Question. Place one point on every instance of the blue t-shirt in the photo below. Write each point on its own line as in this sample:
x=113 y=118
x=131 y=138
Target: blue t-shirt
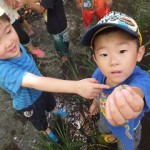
x=12 y=73
x=140 y=79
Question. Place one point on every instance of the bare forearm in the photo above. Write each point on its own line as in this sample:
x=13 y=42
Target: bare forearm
x=87 y=88
x=55 y=85
x=37 y=7
x=50 y=84
x=34 y=6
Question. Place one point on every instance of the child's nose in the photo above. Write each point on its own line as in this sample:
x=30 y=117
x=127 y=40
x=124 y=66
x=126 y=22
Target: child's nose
x=8 y=43
x=113 y=61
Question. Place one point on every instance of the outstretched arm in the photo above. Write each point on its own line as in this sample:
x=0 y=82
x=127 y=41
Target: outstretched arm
x=123 y=104
x=11 y=3
x=87 y=88
x=14 y=4
x=38 y=8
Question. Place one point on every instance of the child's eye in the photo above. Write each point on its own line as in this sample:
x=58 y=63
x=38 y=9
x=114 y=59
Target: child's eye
x=103 y=55
x=123 y=51
x=8 y=31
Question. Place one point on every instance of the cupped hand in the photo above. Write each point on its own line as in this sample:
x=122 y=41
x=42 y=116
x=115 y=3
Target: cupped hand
x=123 y=104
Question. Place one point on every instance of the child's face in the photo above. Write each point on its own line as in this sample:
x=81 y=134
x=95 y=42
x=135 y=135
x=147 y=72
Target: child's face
x=9 y=41
x=116 y=55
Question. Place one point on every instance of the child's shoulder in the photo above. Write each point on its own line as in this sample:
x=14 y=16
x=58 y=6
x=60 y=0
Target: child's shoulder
x=138 y=71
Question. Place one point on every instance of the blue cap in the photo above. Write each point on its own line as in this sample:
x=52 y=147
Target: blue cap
x=112 y=19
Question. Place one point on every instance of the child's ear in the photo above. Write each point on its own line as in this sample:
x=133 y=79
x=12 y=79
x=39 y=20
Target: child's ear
x=141 y=52
x=94 y=59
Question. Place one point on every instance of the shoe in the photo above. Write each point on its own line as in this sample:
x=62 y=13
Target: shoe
x=61 y=113
x=38 y=53
x=53 y=137
x=106 y=138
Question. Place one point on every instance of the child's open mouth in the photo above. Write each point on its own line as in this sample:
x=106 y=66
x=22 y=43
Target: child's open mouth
x=116 y=73
x=13 y=50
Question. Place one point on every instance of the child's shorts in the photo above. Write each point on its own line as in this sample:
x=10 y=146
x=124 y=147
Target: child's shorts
x=120 y=146
x=61 y=42
x=36 y=113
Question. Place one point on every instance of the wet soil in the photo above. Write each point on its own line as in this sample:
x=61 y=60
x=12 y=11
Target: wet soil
x=15 y=134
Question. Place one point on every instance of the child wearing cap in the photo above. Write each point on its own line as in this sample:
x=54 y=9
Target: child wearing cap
x=29 y=89
x=93 y=7
x=117 y=46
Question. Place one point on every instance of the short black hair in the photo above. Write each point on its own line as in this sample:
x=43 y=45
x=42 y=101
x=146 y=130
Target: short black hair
x=5 y=17
x=115 y=29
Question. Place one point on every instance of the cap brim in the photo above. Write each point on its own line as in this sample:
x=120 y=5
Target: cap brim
x=87 y=37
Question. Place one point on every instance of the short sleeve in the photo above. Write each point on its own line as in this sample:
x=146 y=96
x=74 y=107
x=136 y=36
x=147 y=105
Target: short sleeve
x=11 y=78
x=98 y=75
x=143 y=82
x=48 y=4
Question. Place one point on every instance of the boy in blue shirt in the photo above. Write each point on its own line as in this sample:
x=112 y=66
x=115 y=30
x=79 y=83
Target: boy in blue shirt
x=30 y=90
x=117 y=46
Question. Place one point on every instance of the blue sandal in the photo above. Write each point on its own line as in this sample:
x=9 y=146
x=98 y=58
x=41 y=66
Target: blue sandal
x=61 y=113
x=53 y=137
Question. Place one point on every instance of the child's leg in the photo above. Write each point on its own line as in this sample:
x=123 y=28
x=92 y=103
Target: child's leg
x=137 y=136
x=51 y=135
x=102 y=9
x=94 y=108
x=61 y=43
x=87 y=16
x=51 y=106
x=106 y=133
x=35 y=113
x=26 y=41
x=27 y=27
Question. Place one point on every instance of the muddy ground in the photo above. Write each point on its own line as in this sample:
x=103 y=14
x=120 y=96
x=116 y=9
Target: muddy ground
x=15 y=134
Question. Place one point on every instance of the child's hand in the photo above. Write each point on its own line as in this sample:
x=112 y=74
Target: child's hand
x=123 y=104
x=11 y=3
x=89 y=88
x=109 y=3
x=19 y=5
x=14 y=4
x=25 y=1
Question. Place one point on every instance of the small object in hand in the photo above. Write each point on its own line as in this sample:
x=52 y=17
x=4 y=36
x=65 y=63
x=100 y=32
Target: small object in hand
x=123 y=87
